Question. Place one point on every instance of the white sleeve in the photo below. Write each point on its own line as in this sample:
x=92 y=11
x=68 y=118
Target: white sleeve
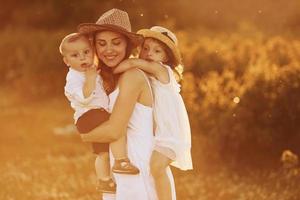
x=74 y=91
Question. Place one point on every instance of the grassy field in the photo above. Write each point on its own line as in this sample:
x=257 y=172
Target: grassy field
x=43 y=158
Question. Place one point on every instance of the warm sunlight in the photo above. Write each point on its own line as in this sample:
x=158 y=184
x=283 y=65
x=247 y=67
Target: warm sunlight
x=239 y=81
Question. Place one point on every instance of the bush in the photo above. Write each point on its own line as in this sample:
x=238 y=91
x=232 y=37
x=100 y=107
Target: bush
x=31 y=63
x=245 y=96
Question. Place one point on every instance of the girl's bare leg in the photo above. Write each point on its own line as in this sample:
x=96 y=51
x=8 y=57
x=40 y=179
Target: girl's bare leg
x=158 y=165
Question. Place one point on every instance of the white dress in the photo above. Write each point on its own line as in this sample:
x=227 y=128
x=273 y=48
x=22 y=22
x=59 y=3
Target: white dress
x=140 y=142
x=172 y=133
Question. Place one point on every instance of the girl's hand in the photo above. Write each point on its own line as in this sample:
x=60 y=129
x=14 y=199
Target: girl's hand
x=124 y=66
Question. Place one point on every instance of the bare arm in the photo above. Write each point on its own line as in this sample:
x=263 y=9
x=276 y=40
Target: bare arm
x=90 y=81
x=88 y=87
x=74 y=91
x=131 y=84
x=151 y=67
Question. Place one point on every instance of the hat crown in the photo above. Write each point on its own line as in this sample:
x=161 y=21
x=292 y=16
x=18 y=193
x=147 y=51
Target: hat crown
x=166 y=32
x=115 y=17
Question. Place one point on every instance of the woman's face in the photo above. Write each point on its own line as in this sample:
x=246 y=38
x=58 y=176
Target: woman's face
x=111 y=47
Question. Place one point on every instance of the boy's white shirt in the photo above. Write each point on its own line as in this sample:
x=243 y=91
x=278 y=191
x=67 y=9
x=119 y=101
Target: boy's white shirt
x=74 y=92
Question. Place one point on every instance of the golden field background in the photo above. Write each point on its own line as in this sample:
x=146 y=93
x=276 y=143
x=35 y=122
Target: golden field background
x=241 y=87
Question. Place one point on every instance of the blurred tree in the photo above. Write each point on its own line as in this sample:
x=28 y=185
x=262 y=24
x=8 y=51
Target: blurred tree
x=214 y=14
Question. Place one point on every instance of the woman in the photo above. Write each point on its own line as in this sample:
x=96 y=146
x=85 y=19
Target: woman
x=130 y=103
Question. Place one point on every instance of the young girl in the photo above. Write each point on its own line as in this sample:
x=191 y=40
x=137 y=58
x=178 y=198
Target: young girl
x=159 y=56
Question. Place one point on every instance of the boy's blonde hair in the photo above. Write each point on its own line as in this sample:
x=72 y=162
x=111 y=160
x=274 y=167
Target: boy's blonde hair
x=72 y=37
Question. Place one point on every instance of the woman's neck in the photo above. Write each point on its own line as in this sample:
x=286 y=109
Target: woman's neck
x=110 y=80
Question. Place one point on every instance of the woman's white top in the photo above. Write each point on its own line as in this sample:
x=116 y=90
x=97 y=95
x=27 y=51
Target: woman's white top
x=74 y=92
x=172 y=124
x=140 y=142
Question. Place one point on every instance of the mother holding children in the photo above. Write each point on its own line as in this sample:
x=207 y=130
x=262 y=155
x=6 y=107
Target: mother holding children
x=130 y=109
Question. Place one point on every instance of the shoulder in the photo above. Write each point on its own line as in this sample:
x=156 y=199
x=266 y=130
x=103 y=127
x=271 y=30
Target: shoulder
x=74 y=80
x=73 y=75
x=69 y=78
x=163 y=74
x=132 y=81
x=133 y=76
x=166 y=68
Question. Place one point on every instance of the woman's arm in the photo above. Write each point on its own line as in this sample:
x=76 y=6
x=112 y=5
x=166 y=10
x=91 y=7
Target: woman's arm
x=151 y=67
x=131 y=84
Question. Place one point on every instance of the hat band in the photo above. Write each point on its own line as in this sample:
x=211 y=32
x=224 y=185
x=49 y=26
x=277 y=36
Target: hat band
x=166 y=34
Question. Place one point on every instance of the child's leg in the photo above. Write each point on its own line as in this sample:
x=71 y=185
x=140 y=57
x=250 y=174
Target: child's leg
x=158 y=165
x=122 y=164
x=105 y=183
x=119 y=148
x=102 y=166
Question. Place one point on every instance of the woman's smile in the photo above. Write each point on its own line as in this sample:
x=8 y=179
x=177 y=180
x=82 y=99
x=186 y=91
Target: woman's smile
x=111 y=47
x=110 y=57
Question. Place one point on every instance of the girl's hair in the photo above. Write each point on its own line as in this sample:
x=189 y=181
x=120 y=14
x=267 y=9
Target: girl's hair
x=110 y=79
x=171 y=58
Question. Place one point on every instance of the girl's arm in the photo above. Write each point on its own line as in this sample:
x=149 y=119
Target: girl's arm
x=151 y=67
x=131 y=84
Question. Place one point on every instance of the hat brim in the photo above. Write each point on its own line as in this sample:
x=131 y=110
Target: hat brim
x=89 y=28
x=164 y=39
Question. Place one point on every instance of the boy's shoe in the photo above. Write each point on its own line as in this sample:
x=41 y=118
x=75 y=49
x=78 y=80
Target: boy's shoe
x=124 y=166
x=108 y=186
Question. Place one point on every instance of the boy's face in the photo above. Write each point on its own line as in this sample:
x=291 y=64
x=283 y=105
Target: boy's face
x=152 y=50
x=79 y=54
